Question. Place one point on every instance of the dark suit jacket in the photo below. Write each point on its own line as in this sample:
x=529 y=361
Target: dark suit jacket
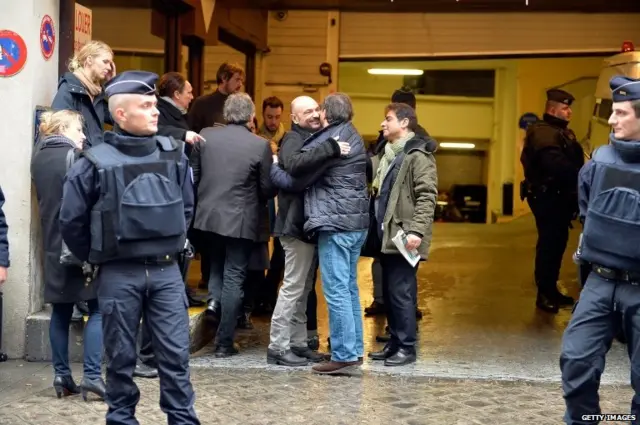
x=231 y=174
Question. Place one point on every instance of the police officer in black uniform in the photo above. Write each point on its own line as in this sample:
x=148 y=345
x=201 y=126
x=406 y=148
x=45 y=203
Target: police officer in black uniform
x=609 y=197
x=551 y=158
x=126 y=207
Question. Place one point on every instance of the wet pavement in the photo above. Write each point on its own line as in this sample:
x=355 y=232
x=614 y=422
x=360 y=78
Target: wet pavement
x=227 y=396
x=480 y=321
x=486 y=356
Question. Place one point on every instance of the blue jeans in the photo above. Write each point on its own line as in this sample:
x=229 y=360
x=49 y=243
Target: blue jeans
x=59 y=337
x=338 y=253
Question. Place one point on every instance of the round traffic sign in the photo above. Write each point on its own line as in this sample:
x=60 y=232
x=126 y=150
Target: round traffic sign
x=13 y=53
x=47 y=37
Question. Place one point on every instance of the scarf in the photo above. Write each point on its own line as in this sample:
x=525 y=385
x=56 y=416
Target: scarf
x=391 y=150
x=274 y=137
x=173 y=103
x=92 y=87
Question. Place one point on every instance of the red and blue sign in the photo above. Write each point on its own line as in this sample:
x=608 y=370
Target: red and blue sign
x=13 y=53
x=47 y=37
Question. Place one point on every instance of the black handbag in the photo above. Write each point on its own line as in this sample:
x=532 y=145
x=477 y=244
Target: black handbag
x=372 y=245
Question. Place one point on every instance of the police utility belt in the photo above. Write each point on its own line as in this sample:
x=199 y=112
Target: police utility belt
x=157 y=259
x=528 y=190
x=632 y=278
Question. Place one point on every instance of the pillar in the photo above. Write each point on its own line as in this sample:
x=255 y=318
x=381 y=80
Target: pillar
x=34 y=85
x=195 y=70
x=66 y=29
x=172 y=44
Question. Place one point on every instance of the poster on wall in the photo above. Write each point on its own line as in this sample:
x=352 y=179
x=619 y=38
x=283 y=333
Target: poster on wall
x=82 y=33
x=13 y=53
x=47 y=37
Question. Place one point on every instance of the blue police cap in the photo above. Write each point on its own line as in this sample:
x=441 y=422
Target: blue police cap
x=623 y=89
x=560 y=96
x=132 y=82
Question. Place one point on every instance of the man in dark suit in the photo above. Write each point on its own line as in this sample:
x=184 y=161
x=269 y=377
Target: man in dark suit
x=231 y=173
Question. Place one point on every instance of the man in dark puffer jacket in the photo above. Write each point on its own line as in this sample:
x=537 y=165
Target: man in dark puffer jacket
x=337 y=213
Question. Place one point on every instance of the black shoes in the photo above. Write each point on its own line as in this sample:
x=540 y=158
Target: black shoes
x=224 y=351
x=386 y=352
x=375 y=309
x=552 y=301
x=65 y=386
x=285 y=358
x=403 y=356
x=312 y=356
x=144 y=371
x=547 y=303
x=213 y=310
x=95 y=386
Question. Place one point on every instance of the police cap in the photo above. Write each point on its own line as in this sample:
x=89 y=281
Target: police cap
x=132 y=82
x=623 y=89
x=404 y=96
x=560 y=96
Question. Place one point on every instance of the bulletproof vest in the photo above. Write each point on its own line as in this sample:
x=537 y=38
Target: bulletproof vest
x=140 y=211
x=612 y=225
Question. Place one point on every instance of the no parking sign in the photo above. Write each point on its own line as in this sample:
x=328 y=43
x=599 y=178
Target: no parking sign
x=47 y=37
x=13 y=53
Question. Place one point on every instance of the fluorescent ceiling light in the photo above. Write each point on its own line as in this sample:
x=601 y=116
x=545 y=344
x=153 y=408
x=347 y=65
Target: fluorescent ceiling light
x=393 y=71
x=456 y=145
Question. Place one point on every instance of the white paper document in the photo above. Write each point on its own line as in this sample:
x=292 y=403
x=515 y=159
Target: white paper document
x=400 y=239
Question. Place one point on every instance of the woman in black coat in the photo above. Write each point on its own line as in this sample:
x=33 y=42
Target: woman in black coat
x=61 y=138
x=81 y=89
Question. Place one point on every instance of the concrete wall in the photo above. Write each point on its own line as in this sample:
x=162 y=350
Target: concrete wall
x=35 y=85
x=468 y=34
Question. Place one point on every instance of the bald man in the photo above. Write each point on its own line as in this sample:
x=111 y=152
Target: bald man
x=288 y=339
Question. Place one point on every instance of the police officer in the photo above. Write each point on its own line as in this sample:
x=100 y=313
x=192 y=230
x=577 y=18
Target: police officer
x=609 y=194
x=126 y=207
x=551 y=159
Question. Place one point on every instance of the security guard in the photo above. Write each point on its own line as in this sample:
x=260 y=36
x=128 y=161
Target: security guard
x=609 y=195
x=551 y=159
x=126 y=207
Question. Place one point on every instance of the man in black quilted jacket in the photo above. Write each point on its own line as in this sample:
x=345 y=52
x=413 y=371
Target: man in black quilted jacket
x=336 y=210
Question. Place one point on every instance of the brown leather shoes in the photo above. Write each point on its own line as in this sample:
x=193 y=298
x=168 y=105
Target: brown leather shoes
x=336 y=368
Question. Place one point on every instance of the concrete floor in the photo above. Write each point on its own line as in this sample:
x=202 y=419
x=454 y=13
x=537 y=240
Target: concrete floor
x=480 y=321
x=480 y=325
x=228 y=396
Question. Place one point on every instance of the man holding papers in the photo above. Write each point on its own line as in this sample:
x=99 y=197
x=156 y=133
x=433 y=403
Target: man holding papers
x=406 y=190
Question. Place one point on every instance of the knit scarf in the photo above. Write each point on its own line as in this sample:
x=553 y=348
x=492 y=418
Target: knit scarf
x=391 y=150
x=173 y=103
x=274 y=137
x=92 y=87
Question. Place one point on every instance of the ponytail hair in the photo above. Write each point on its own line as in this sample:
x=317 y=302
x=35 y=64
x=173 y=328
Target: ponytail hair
x=56 y=122
x=91 y=49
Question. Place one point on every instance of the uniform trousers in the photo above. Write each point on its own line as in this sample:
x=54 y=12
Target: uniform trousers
x=127 y=291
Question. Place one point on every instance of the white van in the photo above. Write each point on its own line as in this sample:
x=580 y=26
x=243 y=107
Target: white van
x=627 y=64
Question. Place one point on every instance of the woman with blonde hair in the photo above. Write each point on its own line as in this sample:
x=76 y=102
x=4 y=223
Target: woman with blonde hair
x=81 y=89
x=60 y=142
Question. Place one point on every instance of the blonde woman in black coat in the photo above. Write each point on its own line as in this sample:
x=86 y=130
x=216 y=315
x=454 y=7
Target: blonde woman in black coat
x=61 y=139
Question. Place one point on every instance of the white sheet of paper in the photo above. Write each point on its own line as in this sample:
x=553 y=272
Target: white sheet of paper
x=400 y=240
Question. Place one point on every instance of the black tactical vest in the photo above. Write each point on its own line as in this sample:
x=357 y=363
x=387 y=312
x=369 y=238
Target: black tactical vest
x=612 y=225
x=140 y=212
